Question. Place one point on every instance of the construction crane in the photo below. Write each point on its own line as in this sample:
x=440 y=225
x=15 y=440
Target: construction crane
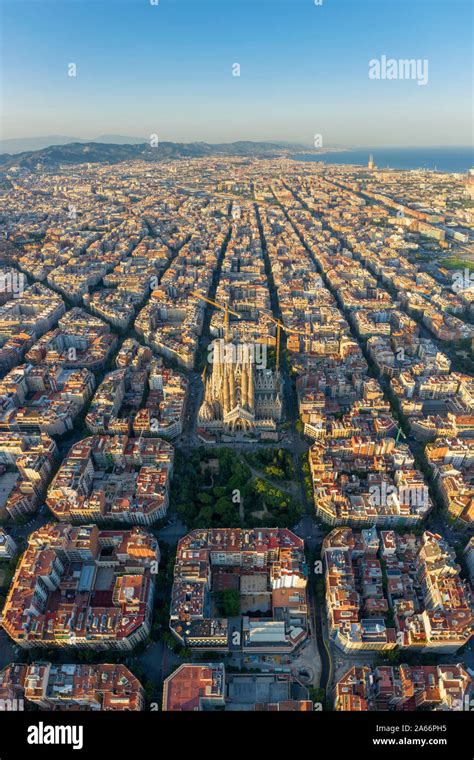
x=398 y=435
x=280 y=326
x=224 y=307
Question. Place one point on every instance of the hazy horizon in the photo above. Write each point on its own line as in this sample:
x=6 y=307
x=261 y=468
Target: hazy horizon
x=170 y=69
x=328 y=146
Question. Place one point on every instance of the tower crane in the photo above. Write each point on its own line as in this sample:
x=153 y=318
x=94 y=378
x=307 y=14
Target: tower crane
x=280 y=326
x=224 y=307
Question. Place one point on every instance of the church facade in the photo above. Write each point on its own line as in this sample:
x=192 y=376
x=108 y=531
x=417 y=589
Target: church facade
x=239 y=394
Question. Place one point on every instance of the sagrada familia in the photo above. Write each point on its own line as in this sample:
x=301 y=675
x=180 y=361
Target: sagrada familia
x=239 y=396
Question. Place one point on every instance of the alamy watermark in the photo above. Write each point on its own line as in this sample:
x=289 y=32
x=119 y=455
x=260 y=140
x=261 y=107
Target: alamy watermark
x=386 y=494
x=415 y=69
x=12 y=705
x=12 y=283
x=237 y=353
x=462 y=280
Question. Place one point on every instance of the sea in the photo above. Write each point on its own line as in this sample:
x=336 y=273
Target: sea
x=456 y=160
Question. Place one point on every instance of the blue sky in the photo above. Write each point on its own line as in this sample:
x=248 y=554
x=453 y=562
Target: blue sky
x=167 y=69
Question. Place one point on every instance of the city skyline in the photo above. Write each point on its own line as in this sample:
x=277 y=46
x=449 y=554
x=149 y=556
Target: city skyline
x=252 y=378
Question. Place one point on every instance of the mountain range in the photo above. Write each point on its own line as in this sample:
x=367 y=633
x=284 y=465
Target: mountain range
x=110 y=152
x=23 y=144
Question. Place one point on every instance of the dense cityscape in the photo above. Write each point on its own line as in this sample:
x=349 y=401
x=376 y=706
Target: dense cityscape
x=236 y=436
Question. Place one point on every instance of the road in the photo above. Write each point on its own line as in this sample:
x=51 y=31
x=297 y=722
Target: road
x=172 y=532
x=317 y=613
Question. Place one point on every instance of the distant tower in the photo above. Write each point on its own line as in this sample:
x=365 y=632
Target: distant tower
x=469 y=187
x=371 y=164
